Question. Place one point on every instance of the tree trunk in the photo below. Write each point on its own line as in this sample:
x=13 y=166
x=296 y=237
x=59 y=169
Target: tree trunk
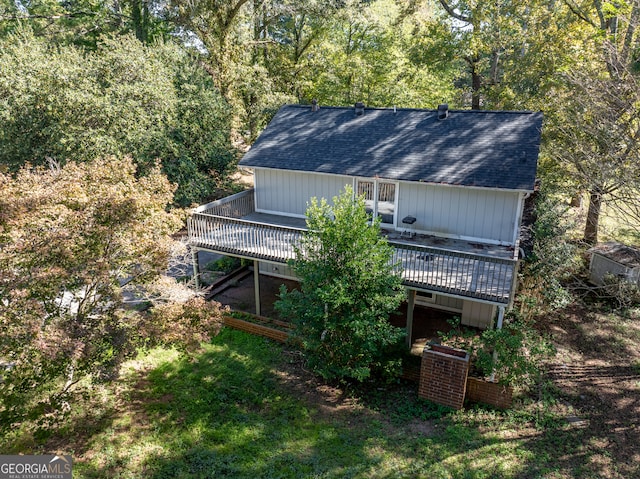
x=593 y=217
x=476 y=84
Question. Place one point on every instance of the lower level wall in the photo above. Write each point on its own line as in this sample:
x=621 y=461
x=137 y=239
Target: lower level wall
x=472 y=313
x=478 y=315
x=277 y=270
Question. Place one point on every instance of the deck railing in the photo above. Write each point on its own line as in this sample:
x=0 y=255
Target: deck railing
x=234 y=206
x=463 y=274
x=243 y=238
x=219 y=226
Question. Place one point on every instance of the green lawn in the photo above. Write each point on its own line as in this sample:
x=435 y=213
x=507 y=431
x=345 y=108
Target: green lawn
x=245 y=408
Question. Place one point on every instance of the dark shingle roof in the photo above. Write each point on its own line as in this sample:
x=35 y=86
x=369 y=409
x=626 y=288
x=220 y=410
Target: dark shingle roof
x=492 y=149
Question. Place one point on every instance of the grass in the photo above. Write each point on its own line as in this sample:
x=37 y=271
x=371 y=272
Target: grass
x=244 y=407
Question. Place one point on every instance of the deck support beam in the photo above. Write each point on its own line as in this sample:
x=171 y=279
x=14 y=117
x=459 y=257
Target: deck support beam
x=256 y=284
x=411 y=303
x=196 y=267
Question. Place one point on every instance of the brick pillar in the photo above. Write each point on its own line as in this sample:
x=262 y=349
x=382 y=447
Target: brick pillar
x=443 y=375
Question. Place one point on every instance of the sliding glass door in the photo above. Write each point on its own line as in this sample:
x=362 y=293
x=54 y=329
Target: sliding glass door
x=379 y=198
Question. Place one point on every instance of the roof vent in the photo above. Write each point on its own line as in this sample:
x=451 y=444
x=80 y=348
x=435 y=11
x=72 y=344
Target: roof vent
x=314 y=105
x=443 y=111
x=359 y=108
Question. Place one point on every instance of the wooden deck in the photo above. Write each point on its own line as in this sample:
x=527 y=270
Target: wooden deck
x=473 y=270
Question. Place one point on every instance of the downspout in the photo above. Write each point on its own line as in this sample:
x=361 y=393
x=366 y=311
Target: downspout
x=518 y=219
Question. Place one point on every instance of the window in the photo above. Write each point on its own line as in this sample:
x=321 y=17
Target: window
x=424 y=297
x=379 y=199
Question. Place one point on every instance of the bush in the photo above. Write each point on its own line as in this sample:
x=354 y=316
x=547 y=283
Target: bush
x=226 y=264
x=184 y=325
x=515 y=353
x=348 y=288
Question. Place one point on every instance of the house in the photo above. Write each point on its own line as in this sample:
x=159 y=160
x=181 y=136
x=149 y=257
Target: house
x=448 y=185
x=616 y=259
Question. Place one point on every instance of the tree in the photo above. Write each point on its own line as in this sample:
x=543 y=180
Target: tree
x=599 y=128
x=125 y=98
x=225 y=29
x=69 y=238
x=378 y=53
x=599 y=122
x=348 y=289
x=83 y=22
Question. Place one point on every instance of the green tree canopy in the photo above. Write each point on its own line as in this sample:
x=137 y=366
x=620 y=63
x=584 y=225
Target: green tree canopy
x=124 y=98
x=83 y=22
x=348 y=289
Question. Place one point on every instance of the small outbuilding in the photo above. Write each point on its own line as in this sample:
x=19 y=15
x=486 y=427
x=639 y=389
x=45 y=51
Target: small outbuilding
x=615 y=259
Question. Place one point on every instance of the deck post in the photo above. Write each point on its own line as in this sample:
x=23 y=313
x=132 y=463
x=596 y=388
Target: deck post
x=256 y=284
x=411 y=302
x=196 y=267
x=498 y=327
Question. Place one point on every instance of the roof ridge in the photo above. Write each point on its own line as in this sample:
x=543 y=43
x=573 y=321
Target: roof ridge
x=392 y=108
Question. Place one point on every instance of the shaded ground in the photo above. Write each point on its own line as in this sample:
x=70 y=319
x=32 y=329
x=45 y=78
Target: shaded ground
x=243 y=407
x=597 y=371
x=594 y=381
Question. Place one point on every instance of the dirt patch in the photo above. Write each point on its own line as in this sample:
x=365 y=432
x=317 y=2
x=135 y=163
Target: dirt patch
x=329 y=400
x=597 y=370
x=356 y=404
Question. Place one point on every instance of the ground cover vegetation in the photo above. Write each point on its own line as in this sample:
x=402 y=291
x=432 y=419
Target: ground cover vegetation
x=191 y=84
x=244 y=406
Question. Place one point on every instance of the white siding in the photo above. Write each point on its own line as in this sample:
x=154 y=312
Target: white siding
x=289 y=192
x=601 y=266
x=451 y=304
x=277 y=270
x=456 y=212
x=459 y=212
x=477 y=314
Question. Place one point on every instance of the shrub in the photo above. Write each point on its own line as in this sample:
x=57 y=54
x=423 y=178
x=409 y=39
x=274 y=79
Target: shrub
x=348 y=288
x=514 y=354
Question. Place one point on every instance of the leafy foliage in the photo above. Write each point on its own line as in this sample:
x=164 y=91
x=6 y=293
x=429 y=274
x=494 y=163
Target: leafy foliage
x=125 y=98
x=348 y=289
x=69 y=237
x=187 y=324
x=552 y=260
x=515 y=353
x=83 y=22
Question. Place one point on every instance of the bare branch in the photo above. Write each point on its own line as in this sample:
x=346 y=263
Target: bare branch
x=451 y=11
x=580 y=14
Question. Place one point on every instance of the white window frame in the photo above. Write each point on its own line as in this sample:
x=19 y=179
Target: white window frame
x=376 y=182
